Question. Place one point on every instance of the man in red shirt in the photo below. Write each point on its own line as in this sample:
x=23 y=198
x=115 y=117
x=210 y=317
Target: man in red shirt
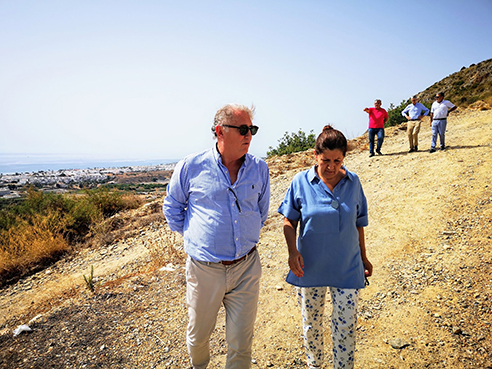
x=377 y=118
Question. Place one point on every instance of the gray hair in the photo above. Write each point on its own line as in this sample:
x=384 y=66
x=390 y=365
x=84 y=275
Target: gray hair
x=225 y=115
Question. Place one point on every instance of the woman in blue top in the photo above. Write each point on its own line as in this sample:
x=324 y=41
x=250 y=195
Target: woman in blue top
x=328 y=204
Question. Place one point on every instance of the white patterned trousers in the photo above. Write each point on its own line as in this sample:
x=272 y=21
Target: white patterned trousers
x=343 y=324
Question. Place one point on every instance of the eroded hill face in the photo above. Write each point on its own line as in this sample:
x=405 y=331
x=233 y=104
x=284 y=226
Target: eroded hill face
x=465 y=87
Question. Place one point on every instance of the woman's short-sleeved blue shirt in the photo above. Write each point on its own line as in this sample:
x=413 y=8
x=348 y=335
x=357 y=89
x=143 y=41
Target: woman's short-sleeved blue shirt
x=328 y=238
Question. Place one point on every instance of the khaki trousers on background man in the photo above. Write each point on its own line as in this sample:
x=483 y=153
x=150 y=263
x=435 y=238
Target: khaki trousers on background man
x=209 y=285
x=413 y=129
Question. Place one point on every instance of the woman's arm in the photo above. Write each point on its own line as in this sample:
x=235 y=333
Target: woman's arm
x=296 y=263
x=362 y=245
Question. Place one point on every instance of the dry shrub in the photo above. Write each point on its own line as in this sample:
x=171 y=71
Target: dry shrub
x=112 y=202
x=479 y=105
x=131 y=201
x=39 y=230
x=165 y=248
x=118 y=281
x=153 y=218
x=120 y=226
x=30 y=245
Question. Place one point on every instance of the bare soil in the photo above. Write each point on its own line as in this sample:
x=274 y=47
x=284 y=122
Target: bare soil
x=429 y=239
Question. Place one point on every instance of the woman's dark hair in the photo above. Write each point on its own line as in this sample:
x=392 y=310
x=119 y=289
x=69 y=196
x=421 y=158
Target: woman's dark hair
x=331 y=139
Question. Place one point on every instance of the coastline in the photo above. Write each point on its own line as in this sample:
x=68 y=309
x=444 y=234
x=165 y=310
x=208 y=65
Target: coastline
x=26 y=163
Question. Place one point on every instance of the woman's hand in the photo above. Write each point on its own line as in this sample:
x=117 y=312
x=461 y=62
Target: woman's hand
x=296 y=263
x=367 y=267
x=365 y=260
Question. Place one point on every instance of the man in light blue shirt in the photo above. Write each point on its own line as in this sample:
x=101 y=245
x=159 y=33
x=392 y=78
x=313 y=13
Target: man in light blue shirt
x=219 y=199
x=414 y=113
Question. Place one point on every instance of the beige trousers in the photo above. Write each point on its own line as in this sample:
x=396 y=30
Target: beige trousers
x=413 y=129
x=209 y=285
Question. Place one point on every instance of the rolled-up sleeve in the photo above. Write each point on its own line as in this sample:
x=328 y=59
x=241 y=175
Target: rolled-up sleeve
x=176 y=201
x=289 y=207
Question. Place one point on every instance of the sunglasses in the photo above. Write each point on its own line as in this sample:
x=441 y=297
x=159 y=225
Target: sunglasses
x=243 y=129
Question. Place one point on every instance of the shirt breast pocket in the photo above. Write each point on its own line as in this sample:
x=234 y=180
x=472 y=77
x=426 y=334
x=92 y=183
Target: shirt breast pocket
x=249 y=194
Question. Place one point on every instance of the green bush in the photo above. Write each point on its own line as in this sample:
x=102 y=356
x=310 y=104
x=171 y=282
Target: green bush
x=394 y=114
x=293 y=142
x=108 y=202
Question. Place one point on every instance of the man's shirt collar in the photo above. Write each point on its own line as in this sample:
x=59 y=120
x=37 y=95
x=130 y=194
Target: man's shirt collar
x=218 y=157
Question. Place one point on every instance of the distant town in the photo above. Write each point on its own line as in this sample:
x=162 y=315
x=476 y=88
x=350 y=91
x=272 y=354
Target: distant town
x=13 y=185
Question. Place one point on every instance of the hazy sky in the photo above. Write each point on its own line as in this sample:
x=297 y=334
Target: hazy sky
x=143 y=79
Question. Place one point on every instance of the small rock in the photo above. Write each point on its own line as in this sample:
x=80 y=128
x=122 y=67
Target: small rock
x=279 y=288
x=21 y=328
x=398 y=343
x=35 y=319
x=168 y=268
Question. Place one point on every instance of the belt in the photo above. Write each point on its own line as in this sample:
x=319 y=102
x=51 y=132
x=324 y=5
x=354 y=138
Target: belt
x=232 y=262
x=440 y=118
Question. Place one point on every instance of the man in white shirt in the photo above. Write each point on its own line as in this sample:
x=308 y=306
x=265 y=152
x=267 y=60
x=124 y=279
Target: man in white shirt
x=439 y=114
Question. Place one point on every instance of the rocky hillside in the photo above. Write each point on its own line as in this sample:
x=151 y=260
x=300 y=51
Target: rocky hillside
x=465 y=87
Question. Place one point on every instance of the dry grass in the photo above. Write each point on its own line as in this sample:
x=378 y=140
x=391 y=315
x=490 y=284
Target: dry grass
x=28 y=246
x=165 y=248
x=124 y=225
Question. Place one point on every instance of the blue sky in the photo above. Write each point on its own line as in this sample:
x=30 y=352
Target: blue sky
x=143 y=79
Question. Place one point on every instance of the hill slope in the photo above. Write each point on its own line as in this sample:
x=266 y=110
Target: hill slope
x=428 y=238
x=465 y=87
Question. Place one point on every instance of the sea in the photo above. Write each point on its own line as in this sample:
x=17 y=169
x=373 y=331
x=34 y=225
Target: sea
x=29 y=163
